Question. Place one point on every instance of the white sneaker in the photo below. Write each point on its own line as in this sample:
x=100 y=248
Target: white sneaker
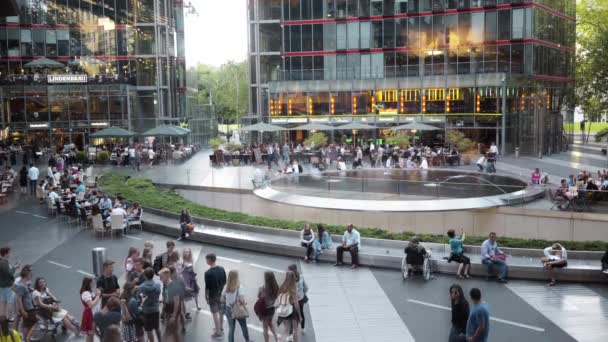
x=290 y=338
x=187 y=235
x=605 y=271
x=179 y=238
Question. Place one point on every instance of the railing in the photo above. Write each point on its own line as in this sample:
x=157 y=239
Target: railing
x=442 y=69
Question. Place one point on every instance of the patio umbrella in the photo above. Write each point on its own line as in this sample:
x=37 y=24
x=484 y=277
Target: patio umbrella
x=44 y=63
x=165 y=131
x=263 y=127
x=355 y=125
x=312 y=127
x=415 y=126
x=113 y=132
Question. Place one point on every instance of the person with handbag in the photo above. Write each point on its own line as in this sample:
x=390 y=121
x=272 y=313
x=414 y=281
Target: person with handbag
x=235 y=307
x=301 y=290
x=185 y=223
x=264 y=306
x=287 y=306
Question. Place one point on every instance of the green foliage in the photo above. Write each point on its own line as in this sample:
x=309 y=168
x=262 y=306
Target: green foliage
x=576 y=127
x=231 y=146
x=215 y=143
x=227 y=87
x=316 y=140
x=81 y=156
x=148 y=195
x=103 y=156
x=401 y=140
x=464 y=144
x=591 y=58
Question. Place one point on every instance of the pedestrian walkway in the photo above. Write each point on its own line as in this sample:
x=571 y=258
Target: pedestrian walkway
x=354 y=303
x=578 y=310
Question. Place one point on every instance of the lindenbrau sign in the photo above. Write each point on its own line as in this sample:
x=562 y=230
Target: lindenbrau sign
x=81 y=78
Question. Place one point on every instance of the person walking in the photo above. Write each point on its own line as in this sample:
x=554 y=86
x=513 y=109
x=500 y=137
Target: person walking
x=235 y=306
x=555 y=257
x=457 y=255
x=32 y=175
x=23 y=180
x=287 y=307
x=264 y=306
x=215 y=280
x=132 y=329
x=478 y=325
x=301 y=291
x=307 y=239
x=171 y=305
x=25 y=302
x=150 y=294
x=90 y=301
x=460 y=314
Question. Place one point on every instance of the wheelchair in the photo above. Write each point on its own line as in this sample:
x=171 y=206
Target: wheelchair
x=426 y=269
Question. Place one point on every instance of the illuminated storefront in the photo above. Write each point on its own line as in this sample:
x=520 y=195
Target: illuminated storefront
x=456 y=64
x=121 y=64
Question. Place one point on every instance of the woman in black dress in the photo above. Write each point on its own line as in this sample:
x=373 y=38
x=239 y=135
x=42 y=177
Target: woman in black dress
x=460 y=314
x=23 y=179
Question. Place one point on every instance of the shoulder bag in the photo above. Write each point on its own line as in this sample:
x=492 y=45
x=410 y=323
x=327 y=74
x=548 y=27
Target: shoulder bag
x=239 y=309
x=284 y=307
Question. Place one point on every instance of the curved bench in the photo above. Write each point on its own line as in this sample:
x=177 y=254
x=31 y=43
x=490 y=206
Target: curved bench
x=523 y=263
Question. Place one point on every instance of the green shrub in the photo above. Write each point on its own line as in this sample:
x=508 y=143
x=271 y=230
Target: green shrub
x=81 y=156
x=402 y=140
x=316 y=140
x=464 y=144
x=103 y=156
x=148 y=195
x=215 y=143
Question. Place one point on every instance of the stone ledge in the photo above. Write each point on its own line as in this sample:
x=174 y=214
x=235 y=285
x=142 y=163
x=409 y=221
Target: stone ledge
x=390 y=261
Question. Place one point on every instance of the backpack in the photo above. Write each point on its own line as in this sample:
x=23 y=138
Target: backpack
x=158 y=263
x=284 y=307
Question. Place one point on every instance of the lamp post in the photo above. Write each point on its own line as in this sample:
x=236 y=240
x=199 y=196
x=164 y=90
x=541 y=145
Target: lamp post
x=503 y=129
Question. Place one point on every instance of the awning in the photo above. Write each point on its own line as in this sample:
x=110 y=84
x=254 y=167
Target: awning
x=166 y=131
x=263 y=127
x=415 y=126
x=44 y=63
x=356 y=125
x=312 y=127
x=113 y=132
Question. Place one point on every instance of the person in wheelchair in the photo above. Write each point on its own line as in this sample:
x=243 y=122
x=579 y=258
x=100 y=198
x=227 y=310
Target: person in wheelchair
x=50 y=311
x=415 y=254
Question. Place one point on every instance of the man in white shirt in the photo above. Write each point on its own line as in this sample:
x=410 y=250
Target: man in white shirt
x=53 y=195
x=118 y=210
x=32 y=175
x=351 y=242
x=494 y=149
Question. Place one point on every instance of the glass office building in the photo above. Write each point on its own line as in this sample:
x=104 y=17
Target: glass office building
x=456 y=64
x=121 y=63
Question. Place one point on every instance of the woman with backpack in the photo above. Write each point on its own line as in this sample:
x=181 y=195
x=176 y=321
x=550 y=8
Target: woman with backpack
x=235 y=307
x=264 y=306
x=287 y=306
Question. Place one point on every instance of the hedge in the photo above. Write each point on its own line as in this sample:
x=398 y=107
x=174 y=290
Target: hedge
x=148 y=195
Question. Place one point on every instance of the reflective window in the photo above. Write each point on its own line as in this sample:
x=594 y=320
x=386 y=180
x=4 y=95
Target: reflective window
x=353 y=35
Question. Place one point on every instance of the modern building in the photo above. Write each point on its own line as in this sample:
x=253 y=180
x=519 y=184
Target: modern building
x=497 y=70
x=121 y=63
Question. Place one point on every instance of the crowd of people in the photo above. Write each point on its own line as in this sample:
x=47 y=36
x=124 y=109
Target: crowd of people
x=154 y=300
x=136 y=155
x=577 y=190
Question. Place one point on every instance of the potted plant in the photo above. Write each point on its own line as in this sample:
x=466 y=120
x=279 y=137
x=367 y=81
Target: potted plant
x=316 y=140
x=401 y=140
x=103 y=157
x=216 y=143
x=465 y=146
x=232 y=147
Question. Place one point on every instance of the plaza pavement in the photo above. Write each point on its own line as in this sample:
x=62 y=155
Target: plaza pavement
x=371 y=305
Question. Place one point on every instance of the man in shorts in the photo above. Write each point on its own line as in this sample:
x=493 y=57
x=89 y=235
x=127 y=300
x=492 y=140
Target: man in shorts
x=7 y=279
x=215 y=280
x=150 y=293
x=25 y=303
x=171 y=305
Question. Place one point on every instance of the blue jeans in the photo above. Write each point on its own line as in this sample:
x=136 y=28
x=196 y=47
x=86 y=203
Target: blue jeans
x=33 y=184
x=503 y=270
x=232 y=325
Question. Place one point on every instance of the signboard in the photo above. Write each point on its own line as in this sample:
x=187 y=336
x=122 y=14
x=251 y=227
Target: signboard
x=297 y=120
x=407 y=119
x=341 y=119
x=319 y=120
x=39 y=125
x=385 y=119
x=62 y=79
x=434 y=118
x=278 y=120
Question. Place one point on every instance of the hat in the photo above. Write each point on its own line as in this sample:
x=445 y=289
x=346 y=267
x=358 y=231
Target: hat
x=108 y=263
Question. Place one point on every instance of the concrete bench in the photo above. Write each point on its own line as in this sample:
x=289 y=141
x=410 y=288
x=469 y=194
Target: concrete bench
x=523 y=263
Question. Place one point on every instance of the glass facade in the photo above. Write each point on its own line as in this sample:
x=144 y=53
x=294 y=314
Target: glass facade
x=450 y=62
x=130 y=53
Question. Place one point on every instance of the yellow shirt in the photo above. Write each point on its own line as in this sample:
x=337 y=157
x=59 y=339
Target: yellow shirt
x=7 y=338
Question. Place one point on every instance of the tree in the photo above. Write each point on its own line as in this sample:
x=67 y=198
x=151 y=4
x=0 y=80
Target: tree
x=591 y=70
x=227 y=87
